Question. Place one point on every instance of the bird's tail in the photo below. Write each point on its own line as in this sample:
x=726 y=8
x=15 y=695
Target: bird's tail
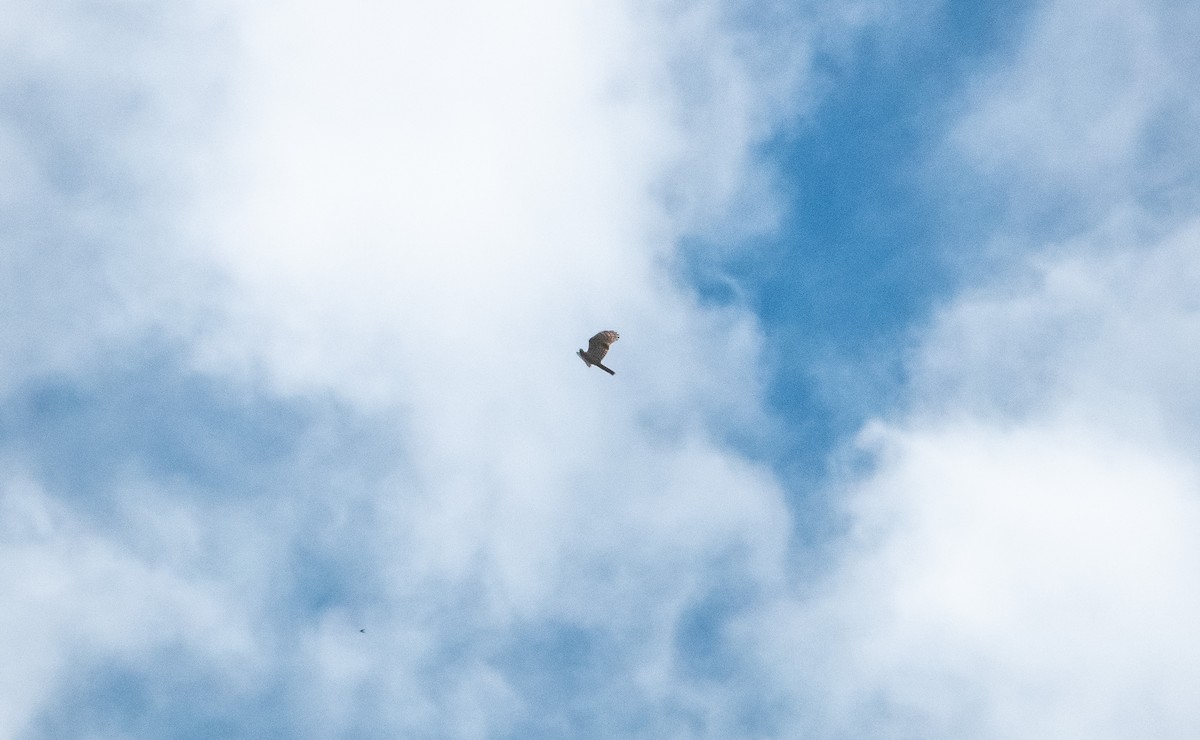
x=605 y=369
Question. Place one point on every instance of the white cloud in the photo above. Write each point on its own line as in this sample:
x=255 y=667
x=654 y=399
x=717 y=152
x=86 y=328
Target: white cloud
x=1094 y=107
x=433 y=208
x=1078 y=94
x=1023 y=555
x=77 y=599
x=1037 y=581
x=408 y=216
x=102 y=134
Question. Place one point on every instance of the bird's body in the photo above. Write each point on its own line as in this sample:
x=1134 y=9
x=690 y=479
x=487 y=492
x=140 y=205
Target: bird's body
x=598 y=348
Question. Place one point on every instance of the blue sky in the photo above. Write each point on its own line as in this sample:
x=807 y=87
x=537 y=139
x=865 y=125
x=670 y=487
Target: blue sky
x=902 y=437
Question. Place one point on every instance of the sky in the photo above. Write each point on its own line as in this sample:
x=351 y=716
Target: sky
x=902 y=441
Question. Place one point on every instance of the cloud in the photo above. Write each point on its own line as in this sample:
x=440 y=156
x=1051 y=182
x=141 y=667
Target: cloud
x=1020 y=560
x=1091 y=111
x=103 y=133
x=79 y=597
x=1034 y=581
x=1022 y=555
x=316 y=373
x=318 y=377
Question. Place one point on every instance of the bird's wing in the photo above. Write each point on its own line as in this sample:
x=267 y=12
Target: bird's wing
x=599 y=344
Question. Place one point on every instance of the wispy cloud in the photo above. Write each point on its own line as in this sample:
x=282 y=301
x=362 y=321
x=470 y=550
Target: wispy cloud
x=1091 y=112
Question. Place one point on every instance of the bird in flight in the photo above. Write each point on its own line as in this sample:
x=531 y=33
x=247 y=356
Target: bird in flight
x=598 y=348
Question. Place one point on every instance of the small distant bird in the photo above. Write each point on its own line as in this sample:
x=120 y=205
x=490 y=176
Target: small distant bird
x=598 y=348
x=363 y=631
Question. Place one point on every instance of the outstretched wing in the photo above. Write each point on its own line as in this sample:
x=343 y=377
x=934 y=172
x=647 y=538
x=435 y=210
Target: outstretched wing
x=599 y=344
